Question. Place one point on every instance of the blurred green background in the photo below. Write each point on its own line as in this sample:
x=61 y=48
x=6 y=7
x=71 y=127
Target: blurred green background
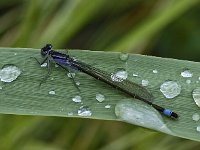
x=155 y=27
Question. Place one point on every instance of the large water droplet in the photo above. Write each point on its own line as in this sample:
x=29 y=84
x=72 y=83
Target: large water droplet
x=123 y=56
x=135 y=112
x=84 y=111
x=186 y=73
x=196 y=96
x=145 y=82
x=119 y=76
x=170 y=89
x=9 y=73
x=195 y=117
x=100 y=97
x=76 y=99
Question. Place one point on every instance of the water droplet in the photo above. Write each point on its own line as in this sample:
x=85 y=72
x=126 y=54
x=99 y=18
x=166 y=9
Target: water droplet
x=108 y=106
x=135 y=112
x=170 y=89
x=199 y=78
x=145 y=82
x=56 y=65
x=44 y=65
x=195 y=117
x=196 y=96
x=186 y=73
x=70 y=114
x=123 y=56
x=188 y=81
x=15 y=54
x=155 y=71
x=100 y=97
x=9 y=73
x=84 y=111
x=198 y=128
x=135 y=75
x=76 y=99
x=1 y=88
x=71 y=75
x=119 y=76
x=52 y=92
x=78 y=83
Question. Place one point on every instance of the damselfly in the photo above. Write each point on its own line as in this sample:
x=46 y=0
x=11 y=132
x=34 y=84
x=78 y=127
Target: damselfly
x=132 y=89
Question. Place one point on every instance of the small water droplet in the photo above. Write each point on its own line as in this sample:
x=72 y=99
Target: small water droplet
x=145 y=82
x=196 y=96
x=52 y=92
x=135 y=75
x=195 y=117
x=108 y=106
x=170 y=89
x=15 y=54
x=100 y=97
x=44 y=65
x=186 y=73
x=71 y=75
x=78 y=83
x=9 y=73
x=123 y=56
x=199 y=78
x=188 y=81
x=1 y=87
x=76 y=99
x=155 y=71
x=84 y=111
x=198 y=128
x=70 y=113
x=52 y=78
x=119 y=76
x=56 y=65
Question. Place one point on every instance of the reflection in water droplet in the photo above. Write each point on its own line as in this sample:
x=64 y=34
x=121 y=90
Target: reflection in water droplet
x=195 y=117
x=186 y=73
x=84 y=111
x=155 y=71
x=145 y=82
x=52 y=92
x=196 y=96
x=123 y=56
x=9 y=73
x=100 y=97
x=76 y=99
x=170 y=89
x=119 y=76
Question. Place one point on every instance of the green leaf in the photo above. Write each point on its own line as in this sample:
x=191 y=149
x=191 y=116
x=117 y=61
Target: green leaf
x=24 y=96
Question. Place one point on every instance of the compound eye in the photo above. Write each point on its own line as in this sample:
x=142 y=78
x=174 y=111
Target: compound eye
x=49 y=46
